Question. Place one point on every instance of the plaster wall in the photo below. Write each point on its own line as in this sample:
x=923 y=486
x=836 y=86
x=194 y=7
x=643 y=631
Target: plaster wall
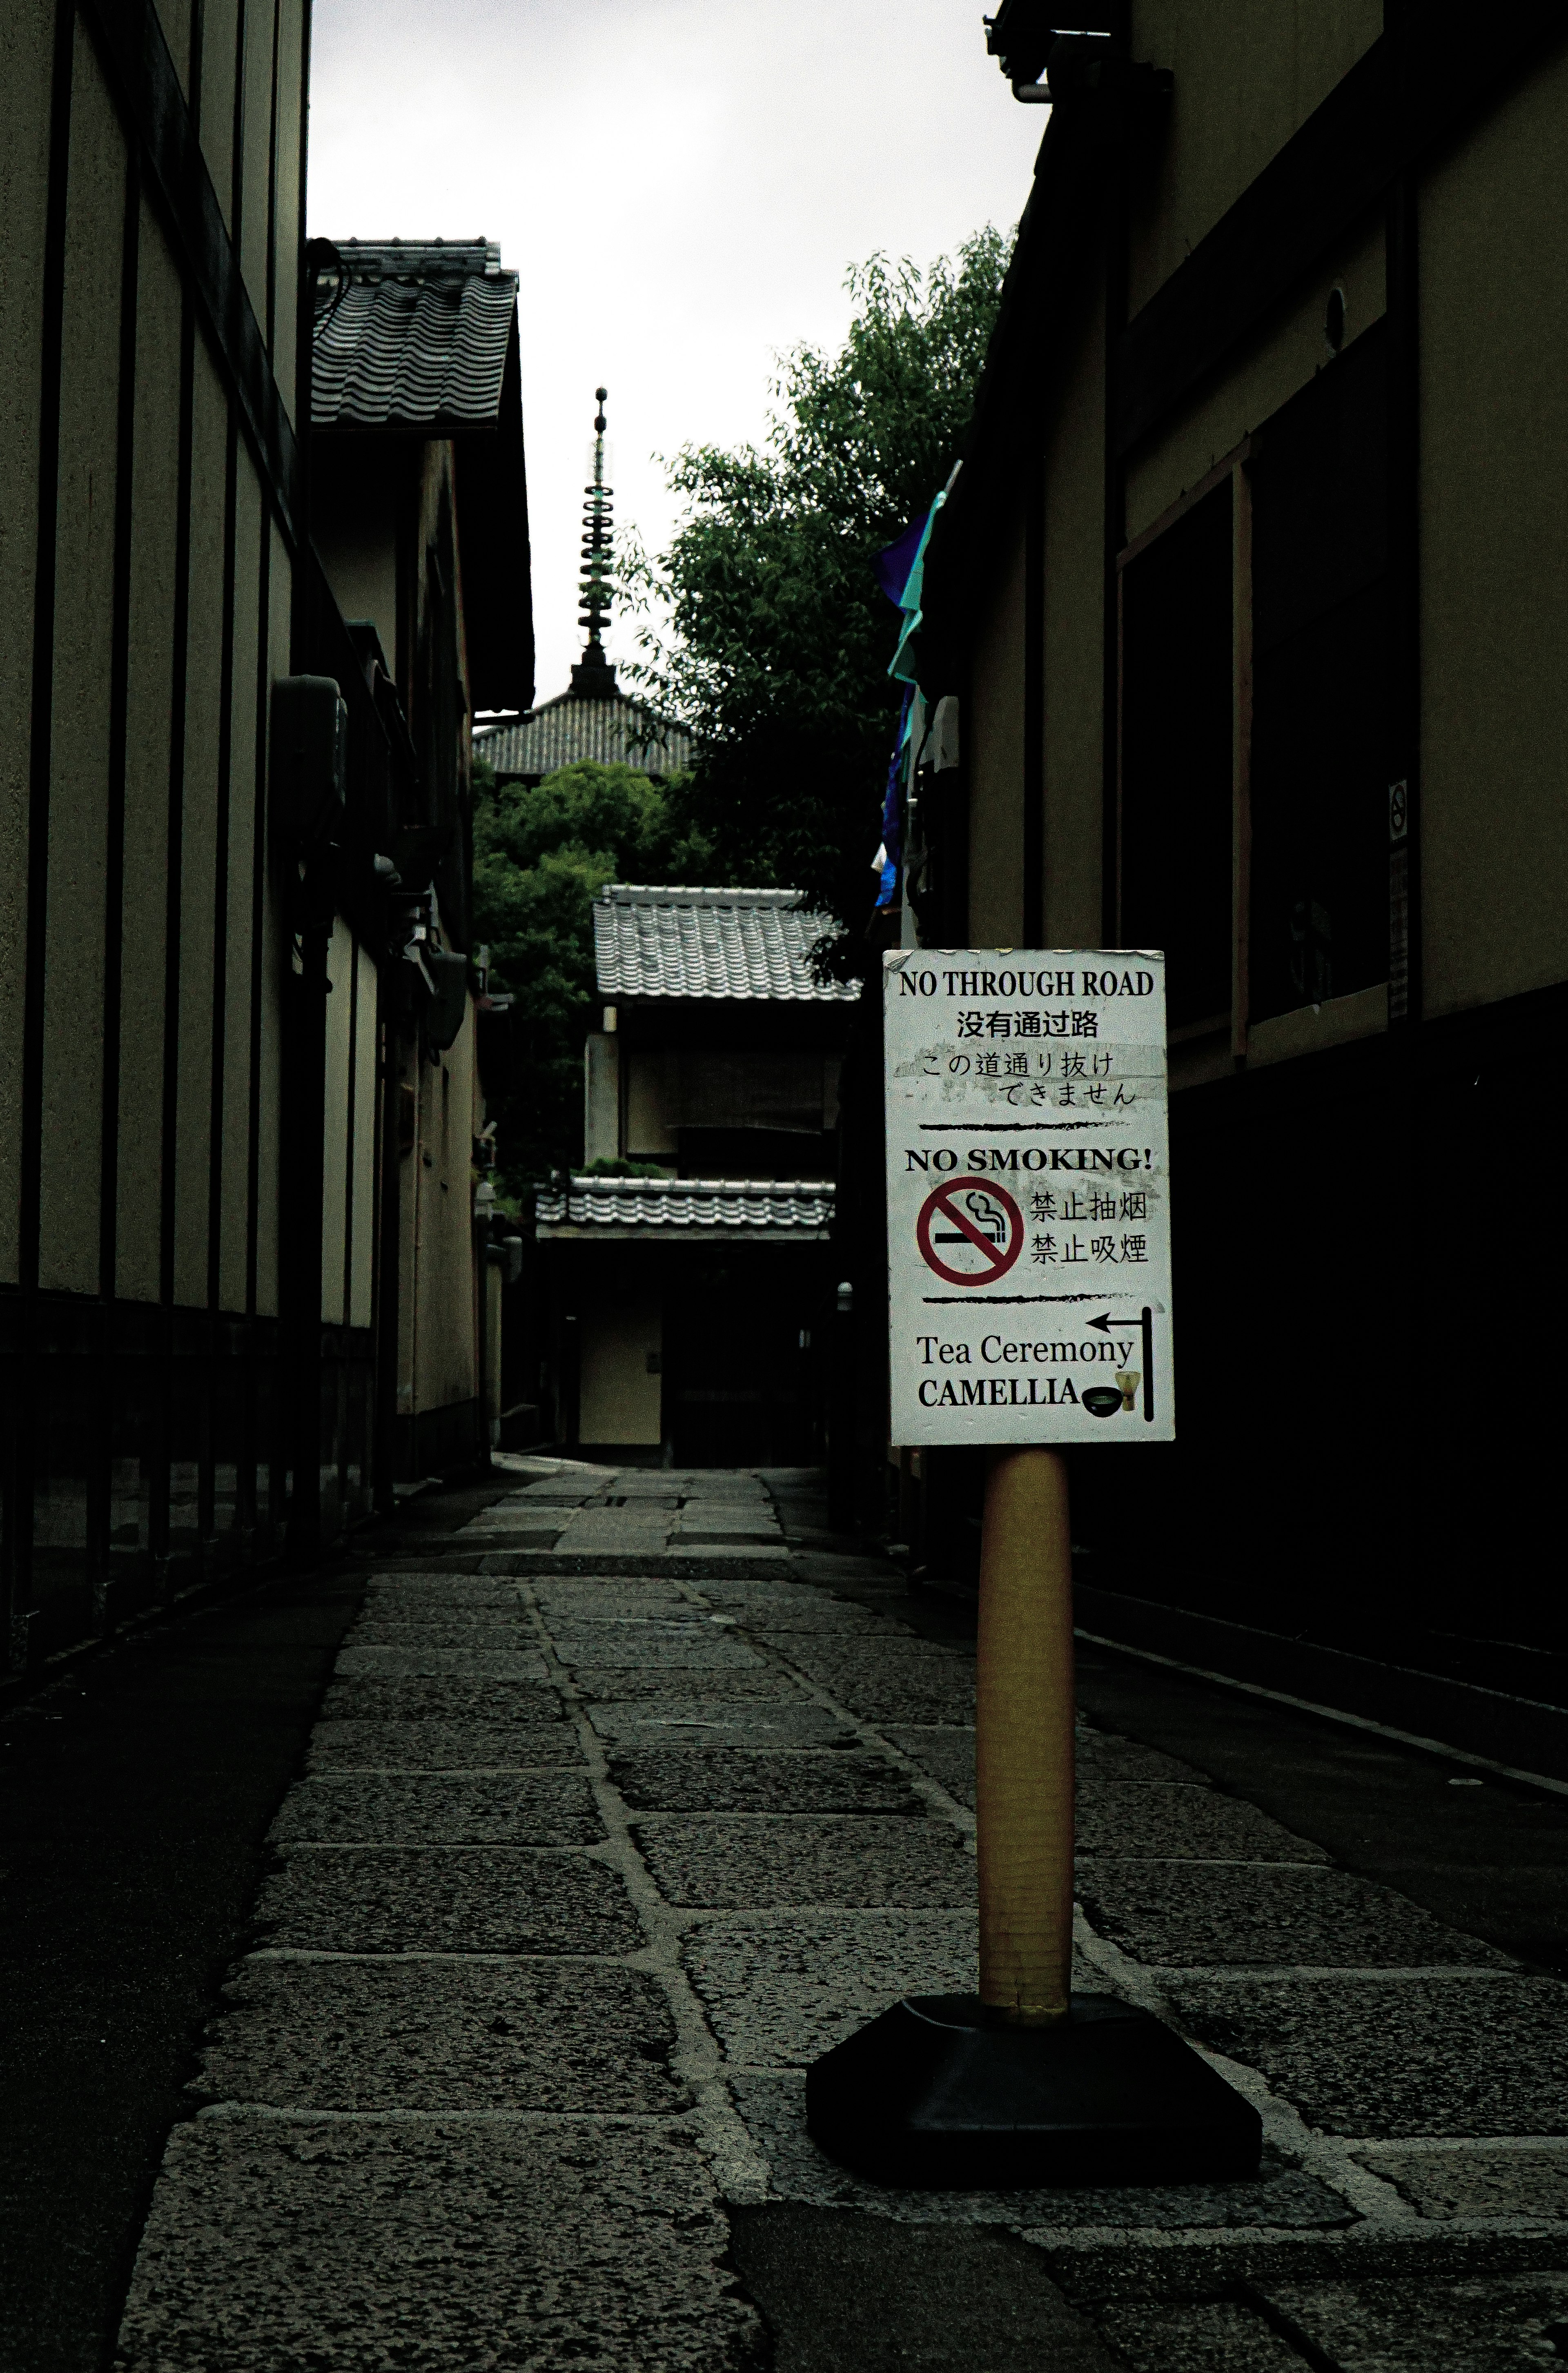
x=1072 y=624
x=155 y=483
x=271 y=966
x=199 y=825
x=446 y=1348
x=1248 y=73
x=1260 y=380
x=360 y=496
x=360 y=1311
x=652 y=1102
x=1493 y=231
x=336 y=1145
x=71 y=1146
x=602 y=1096
x=994 y=759
x=618 y=1399
x=236 y=891
x=24 y=189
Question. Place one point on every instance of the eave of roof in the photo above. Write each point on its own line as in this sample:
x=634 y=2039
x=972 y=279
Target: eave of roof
x=424 y=342
x=675 y=942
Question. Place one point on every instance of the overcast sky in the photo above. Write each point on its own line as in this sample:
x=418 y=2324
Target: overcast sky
x=680 y=187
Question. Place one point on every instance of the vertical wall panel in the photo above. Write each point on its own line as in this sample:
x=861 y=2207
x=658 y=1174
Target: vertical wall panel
x=221 y=34
x=256 y=172
x=235 y=1150
x=274 y=961
x=1074 y=634
x=155 y=481
x=994 y=758
x=198 y=838
x=338 y=1118
x=1495 y=554
x=73 y=1009
x=361 y=1310
x=289 y=230
x=24 y=182
x=174 y=16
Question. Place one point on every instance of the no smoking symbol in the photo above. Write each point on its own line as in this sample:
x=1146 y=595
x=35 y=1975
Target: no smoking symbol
x=980 y=1221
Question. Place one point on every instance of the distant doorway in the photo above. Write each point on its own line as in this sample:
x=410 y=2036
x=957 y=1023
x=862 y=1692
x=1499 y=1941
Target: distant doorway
x=743 y=1361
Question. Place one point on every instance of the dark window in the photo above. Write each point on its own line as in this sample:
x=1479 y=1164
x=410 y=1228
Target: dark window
x=1319 y=732
x=1176 y=755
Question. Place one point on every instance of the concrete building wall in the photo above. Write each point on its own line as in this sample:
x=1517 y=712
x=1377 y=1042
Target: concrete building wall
x=1494 y=562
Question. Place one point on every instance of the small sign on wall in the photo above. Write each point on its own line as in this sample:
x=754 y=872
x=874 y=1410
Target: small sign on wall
x=1028 y=1205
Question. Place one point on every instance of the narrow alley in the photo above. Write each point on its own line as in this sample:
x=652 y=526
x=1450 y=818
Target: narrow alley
x=631 y=1792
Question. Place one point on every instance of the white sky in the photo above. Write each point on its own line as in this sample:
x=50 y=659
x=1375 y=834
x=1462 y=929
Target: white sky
x=681 y=186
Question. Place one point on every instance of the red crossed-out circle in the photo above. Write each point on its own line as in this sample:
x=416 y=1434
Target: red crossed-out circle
x=939 y=1205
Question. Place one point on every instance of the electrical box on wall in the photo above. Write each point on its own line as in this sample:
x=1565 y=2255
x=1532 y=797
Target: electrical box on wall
x=309 y=763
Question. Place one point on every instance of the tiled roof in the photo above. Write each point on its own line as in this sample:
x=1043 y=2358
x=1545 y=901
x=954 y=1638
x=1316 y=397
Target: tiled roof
x=417 y=339
x=567 y=731
x=681 y=943
x=740 y=1206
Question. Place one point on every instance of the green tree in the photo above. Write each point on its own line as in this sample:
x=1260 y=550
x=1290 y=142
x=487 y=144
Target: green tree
x=766 y=631
x=540 y=858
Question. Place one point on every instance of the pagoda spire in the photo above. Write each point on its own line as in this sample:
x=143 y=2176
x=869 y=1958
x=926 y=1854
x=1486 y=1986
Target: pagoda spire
x=593 y=678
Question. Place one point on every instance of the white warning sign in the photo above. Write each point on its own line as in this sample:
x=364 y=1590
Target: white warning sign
x=1028 y=1207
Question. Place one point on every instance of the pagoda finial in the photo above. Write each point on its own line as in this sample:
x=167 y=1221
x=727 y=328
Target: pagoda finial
x=594 y=678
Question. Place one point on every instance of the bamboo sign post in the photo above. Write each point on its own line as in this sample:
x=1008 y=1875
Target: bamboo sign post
x=1029 y=1291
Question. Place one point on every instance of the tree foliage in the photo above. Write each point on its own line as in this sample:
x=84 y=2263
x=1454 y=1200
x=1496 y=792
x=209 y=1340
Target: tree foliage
x=540 y=858
x=767 y=632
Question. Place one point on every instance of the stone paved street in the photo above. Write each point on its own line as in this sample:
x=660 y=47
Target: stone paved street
x=604 y=1833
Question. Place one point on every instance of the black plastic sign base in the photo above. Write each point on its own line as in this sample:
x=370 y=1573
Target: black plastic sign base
x=937 y=2092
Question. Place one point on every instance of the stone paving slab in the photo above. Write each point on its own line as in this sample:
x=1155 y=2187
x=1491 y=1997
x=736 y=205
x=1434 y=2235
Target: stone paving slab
x=441 y=1697
x=709 y=1722
x=791 y=1606
x=947 y=1755
x=685 y=1648
x=748 y=1863
x=442 y=1628
x=679 y=1780
x=779 y=1992
x=539 y=1809
x=1498 y=2325
x=445 y=1899
x=398 y=1592
x=406 y=2248
x=1196 y=2336
x=442 y=1746
x=598 y=1598
x=1469 y=2180
x=1477 y=2056
x=474 y=2035
x=891 y=1680
x=679 y=1684
x=414 y=1663
x=679 y=1566
x=1214 y=1915
x=1186 y=1819
x=1150 y=1817
x=773 y=2107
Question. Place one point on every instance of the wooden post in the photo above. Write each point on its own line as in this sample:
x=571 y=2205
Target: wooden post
x=1023 y=1738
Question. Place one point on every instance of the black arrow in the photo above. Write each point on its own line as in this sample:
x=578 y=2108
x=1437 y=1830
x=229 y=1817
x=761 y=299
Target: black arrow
x=1146 y=1322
